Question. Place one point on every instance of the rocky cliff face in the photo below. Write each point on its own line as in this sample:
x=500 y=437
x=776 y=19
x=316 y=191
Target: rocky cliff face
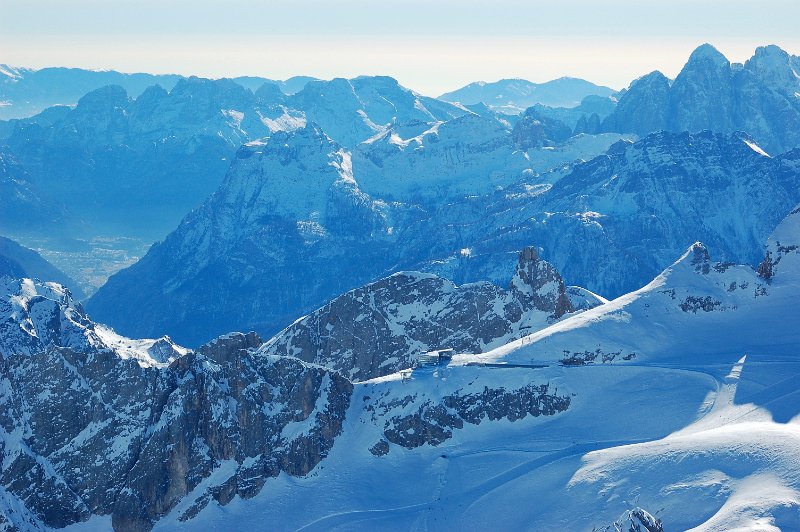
x=96 y=424
x=643 y=108
x=384 y=326
x=759 y=98
x=277 y=237
x=783 y=249
x=419 y=419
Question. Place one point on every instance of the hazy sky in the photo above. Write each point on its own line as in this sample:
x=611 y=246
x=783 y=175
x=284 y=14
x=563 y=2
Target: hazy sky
x=429 y=45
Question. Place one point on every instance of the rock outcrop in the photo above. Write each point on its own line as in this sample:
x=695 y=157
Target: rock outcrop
x=96 y=424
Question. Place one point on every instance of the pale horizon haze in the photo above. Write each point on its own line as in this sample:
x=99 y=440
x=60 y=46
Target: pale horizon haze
x=429 y=47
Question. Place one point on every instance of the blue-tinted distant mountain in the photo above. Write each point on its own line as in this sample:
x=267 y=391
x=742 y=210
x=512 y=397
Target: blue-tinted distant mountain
x=20 y=262
x=761 y=98
x=25 y=92
x=288 y=86
x=134 y=167
x=513 y=96
x=293 y=225
x=351 y=111
x=25 y=208
x=584 y=118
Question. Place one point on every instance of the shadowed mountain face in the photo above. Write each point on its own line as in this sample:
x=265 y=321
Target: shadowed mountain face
x=759 y=98
x=257 y=254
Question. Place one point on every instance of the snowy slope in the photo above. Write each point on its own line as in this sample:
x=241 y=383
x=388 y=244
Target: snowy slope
x=351 y=111
x=465 y=156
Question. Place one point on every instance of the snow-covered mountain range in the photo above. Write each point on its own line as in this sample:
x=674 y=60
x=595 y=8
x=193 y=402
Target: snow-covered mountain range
x=25 y=92
x=671 y=406
x=258 y=254
x=420 y=288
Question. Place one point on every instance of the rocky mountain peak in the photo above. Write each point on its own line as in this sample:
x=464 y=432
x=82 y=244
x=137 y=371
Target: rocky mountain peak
x=222 y=349
x=105 y=98
x=643 y=107
x=534 y=130
x=270 y=92
x=773 y=66
x=536 y=282
x=708 y=55
x=36 y=316
x=384 y=326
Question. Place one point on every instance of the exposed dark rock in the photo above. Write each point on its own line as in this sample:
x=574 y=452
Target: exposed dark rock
x=433 y=423
x=100 y=428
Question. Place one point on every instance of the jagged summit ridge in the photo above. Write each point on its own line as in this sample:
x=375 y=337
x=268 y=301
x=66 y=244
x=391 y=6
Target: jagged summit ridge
x=385 y=326
x=539 y=284
x=759 y=97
